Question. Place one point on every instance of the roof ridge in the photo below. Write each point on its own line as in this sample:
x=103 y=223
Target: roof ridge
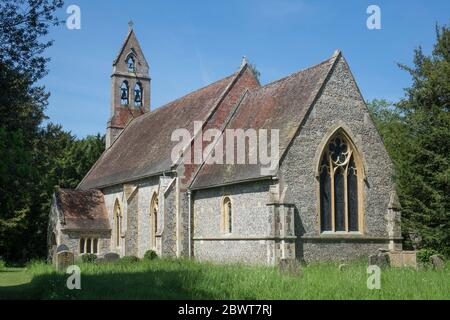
x=130 y=31
x=296 y=73
x=147 y=114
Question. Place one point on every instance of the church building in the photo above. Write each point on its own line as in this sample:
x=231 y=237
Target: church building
x=330 y=197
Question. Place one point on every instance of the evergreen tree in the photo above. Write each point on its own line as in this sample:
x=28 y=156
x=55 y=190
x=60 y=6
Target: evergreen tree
x=424 y=172
x=416 y=132
x=34 y=159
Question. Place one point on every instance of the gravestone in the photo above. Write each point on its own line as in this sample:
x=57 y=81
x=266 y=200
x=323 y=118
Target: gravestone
x=403 y=259
x=380 y=259
x=343 y=267
x=111 y=257
x=289 y=266
x=64 y=259
x=437 y=262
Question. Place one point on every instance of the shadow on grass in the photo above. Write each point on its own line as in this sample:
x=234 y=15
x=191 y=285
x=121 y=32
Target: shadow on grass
x=137 y=285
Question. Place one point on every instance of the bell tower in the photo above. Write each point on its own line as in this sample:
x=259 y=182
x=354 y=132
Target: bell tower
x=130 y=86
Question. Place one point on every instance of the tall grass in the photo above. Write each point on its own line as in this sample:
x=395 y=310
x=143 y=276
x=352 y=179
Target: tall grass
x=184 y=279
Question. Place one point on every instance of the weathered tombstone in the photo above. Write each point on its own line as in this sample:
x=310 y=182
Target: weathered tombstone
x=289 y=266
x=62 y=248
x=437 y=262
x=403 y=259
x=111 y=257
x=64 y=259
x=380 y=259
x=343 y=267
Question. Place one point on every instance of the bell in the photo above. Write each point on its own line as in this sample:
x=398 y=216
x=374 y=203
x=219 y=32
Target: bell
x=137 y=97
x=124 y=94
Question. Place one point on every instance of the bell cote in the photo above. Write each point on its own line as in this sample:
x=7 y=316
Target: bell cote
x=130 y=86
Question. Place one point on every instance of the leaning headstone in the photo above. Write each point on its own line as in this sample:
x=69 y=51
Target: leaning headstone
x=111 y=257
x=380 y=259
x=289 y=266
x=64 y=259
x=437 y=262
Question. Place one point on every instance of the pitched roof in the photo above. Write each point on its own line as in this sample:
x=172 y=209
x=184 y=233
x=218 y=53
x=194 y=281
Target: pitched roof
x=144 y=147
x=131 y=36
x=281 y=105
x=82 y=209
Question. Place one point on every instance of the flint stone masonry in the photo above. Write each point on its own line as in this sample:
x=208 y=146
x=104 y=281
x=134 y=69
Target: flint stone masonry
x=275 y=216
x=339 y=106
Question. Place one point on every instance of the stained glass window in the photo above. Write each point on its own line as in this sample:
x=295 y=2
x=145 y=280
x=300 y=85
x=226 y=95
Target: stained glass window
x=339 y=187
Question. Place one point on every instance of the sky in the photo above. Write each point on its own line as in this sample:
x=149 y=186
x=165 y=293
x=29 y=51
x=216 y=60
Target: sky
x=190 y=44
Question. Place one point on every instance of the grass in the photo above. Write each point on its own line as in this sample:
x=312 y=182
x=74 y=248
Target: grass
x=183 y=279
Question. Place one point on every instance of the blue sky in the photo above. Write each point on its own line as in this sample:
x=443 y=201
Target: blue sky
x=189 y=44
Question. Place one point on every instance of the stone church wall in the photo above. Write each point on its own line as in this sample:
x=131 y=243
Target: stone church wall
x=340 y=105
x=250 y=240
x=135 y=215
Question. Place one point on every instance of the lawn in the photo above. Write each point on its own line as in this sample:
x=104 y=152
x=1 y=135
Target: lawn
x=183 y=279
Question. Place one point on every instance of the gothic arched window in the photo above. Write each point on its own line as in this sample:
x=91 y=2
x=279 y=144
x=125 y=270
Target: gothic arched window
x=138 y=95
x=340 y=183
x=154 y=220
x=124 y=93
x=227 y=215
x=130 y=63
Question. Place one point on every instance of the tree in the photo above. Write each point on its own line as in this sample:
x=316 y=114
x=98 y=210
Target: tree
x=23 y=24
x=424 y=177
x=416 y=131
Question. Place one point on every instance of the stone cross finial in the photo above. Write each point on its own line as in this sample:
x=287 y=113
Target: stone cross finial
x=130 y=24
x=244 y=61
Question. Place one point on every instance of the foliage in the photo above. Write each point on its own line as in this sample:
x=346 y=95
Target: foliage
x=2 y=264
x=129 y=259
x=35 y=158
x=88 y=258
x=23 y=24
x=424 y=255
x=416 y=131
x=188 y=279
x=150 y=255
x=255 y=71
x=424 y=179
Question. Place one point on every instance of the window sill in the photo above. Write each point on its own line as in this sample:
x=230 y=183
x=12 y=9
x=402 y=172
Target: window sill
x=345 y=236
x=341 y=234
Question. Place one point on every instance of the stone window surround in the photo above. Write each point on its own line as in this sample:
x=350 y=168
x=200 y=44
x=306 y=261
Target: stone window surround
x=342 y=129
x=227 y=230
x=84 y=241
